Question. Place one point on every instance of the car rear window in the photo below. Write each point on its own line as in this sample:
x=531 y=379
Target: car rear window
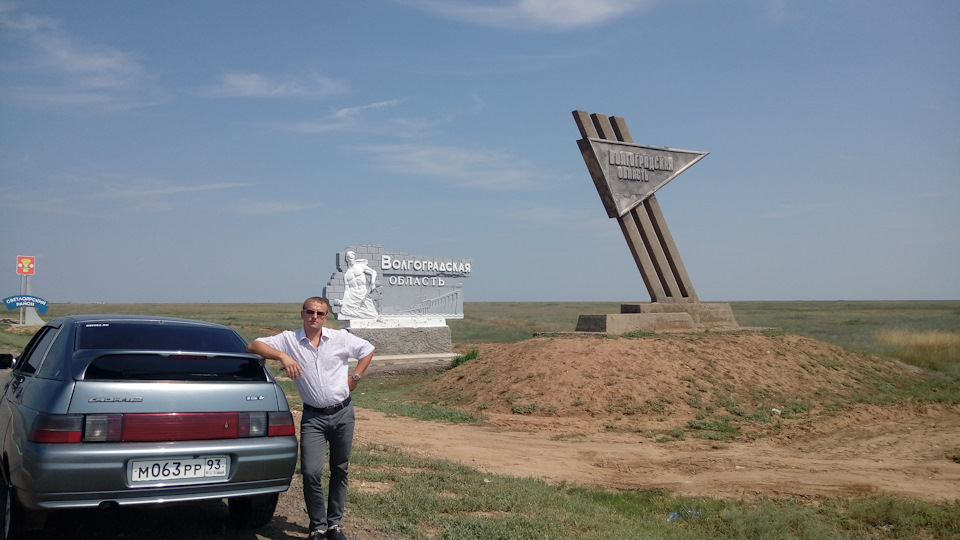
x=158 y=337
x=174 y=367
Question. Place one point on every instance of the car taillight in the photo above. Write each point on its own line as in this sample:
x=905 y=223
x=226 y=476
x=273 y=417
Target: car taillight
x=57 y=429
x=154 y=427
x=281 y=424
x=103 y=428
x=253 y=424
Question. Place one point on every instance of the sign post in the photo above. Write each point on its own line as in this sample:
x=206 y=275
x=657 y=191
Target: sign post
x=626 y=176
x=27 y=304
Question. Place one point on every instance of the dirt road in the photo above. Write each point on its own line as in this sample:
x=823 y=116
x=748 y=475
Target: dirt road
x=898 y=450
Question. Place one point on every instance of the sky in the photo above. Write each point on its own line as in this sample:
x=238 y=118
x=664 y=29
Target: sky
x=226 y=151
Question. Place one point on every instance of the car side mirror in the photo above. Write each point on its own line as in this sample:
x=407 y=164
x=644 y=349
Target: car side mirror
x=6 y=361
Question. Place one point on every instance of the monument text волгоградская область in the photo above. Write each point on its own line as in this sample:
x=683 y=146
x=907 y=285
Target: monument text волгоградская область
x=397 y=301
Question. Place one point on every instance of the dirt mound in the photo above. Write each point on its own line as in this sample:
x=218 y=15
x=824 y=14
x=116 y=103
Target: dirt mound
x=624 y=383
x=634 y=414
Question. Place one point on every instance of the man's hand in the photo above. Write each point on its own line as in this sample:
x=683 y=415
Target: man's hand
x=290 y=366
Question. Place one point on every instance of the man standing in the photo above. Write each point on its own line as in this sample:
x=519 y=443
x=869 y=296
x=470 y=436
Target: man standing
x=316 y=358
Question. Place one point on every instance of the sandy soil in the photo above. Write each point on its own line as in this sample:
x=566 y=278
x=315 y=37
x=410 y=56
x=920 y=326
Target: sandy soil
x=867 y=450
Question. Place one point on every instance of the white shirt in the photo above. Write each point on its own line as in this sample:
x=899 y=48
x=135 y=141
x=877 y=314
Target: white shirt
x=325 y=369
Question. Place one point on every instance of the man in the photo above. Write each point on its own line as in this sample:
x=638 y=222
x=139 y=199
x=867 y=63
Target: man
x=316 y=358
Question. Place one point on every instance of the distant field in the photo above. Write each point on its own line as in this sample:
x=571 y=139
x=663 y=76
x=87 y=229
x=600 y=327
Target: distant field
x=861 y=326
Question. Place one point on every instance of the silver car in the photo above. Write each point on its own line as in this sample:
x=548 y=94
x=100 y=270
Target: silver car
x=102 y=410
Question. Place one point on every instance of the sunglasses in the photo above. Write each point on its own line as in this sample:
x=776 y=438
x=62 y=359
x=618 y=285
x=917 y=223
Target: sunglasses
x=318 y=313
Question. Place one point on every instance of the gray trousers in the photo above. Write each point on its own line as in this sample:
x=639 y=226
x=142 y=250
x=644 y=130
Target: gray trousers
x=316 y=431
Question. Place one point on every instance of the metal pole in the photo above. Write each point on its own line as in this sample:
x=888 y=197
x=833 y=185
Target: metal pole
x=23 y=287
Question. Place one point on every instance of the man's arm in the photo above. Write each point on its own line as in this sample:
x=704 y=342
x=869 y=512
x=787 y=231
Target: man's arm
x=289 y=364
x=362 y=364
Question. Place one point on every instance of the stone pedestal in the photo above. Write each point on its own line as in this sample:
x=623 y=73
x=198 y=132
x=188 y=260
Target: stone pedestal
x=31 y=318
x=661 y=317
x=393 y=363
x=411 y=340
x=408 y=347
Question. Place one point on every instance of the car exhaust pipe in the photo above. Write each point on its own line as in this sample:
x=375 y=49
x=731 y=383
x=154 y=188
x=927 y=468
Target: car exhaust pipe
x=109 y=506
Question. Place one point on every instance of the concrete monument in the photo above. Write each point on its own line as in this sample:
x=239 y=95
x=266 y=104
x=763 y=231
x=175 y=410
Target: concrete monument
x=626 y=176
x=397 y=301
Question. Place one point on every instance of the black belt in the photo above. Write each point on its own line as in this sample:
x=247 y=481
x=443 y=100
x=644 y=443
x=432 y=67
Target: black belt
x=327 y=410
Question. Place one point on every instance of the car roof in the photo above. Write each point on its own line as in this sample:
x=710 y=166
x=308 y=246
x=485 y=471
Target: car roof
x=140 y=319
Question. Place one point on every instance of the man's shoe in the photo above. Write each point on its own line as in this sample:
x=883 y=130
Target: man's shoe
x=336 y=533
x=317 y=534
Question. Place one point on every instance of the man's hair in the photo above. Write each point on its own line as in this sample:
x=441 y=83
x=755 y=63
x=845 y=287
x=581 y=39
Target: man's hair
x=320 y=299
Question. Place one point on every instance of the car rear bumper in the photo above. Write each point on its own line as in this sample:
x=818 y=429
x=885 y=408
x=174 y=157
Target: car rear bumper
x=63 y=501
x=55 y=476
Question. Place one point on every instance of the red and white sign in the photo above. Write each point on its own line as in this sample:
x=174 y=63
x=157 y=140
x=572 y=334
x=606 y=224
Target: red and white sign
x=26 y=265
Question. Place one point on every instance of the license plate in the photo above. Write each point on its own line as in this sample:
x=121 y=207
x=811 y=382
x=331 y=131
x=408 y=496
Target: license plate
x=180 y=470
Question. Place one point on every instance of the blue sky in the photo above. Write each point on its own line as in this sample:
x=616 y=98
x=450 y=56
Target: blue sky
x=221 y=151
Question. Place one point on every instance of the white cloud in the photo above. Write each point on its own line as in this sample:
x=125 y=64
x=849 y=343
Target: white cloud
x=163 y=190
x=532 y=13
x=118 y=194
x=351 y=112
x=90 y=66
x=121 y=194
x=108 y=194
x=338 y=120
x=465 y=167
x=256 y=85
x=55 y=68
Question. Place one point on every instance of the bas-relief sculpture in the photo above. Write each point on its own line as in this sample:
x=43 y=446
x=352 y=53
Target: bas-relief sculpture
x=360 y=282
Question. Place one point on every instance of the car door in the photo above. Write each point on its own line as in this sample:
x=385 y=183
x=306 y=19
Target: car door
x=17 y=380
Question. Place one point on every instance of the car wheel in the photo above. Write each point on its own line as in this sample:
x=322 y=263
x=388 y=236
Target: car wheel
x=15 y=521
x=6 y=503
x=252 y=512
x=13 y=517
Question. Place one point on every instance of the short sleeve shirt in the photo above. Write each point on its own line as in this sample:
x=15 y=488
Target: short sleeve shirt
x=326 y=368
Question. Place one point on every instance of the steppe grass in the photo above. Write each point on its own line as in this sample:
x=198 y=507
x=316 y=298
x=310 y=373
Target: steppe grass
x=510 y=322
x=388 y=394
x=937 y=350
x=420 y=498
x=854 y=325
x=461 y=359
x=13 y=342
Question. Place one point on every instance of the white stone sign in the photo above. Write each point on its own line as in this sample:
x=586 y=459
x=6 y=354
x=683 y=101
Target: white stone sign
x=373 y=288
